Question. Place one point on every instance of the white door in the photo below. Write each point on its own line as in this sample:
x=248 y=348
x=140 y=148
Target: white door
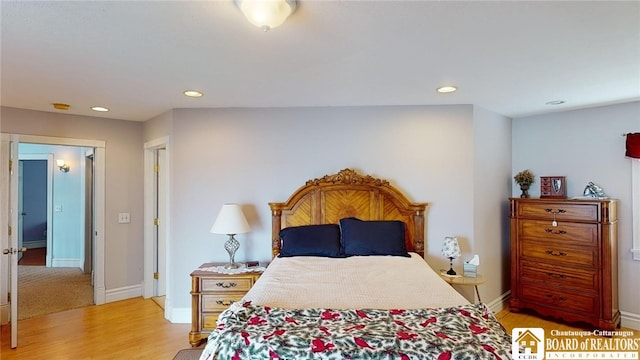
x=21 y=212
x=10 y=217
x=162 y=241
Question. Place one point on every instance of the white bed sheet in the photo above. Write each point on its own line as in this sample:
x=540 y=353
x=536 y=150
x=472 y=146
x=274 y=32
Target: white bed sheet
x=358 y=282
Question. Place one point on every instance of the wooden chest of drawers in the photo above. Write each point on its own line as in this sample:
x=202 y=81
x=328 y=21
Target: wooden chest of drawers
x=564 y=259
x=212 y=293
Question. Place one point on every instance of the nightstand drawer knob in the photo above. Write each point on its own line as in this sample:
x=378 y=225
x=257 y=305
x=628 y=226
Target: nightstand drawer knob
x=226 y=285
x=224 y=303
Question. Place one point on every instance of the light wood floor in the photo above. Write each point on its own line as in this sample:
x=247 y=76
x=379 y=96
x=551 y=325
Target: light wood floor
x=128 y=329
x=136 y=329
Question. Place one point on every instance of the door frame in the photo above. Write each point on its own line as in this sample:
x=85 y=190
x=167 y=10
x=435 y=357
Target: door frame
x=150 y=202
x=99 y=288
x=49 y=159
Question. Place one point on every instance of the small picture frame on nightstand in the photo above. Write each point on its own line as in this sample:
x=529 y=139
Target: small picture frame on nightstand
x=553 y=187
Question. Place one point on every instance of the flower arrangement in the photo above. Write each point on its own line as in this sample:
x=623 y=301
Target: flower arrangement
x=524 y=177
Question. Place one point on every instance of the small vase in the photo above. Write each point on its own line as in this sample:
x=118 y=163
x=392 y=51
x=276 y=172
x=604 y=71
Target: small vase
x=525 y=191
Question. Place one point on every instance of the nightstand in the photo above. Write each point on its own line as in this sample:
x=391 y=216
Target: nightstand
x=465 y=281
x=212 y=293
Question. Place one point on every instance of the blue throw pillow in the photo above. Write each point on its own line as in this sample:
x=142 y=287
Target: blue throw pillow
x=373 y=237
x=311 y=240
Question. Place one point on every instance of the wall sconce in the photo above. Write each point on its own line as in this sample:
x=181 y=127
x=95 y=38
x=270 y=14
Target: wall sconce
x=266 y=14
x=64 y=167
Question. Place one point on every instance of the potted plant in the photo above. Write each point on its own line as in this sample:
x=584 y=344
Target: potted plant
x=524 y=178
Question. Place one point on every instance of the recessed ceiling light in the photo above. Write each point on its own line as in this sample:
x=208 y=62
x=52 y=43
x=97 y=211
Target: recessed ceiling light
x=193 y=93
x=99 y=108
x=446 y=89
x=555 y=102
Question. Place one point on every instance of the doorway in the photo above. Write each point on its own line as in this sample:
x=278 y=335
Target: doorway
x=35 y=207
x=58 y=256
x=156 y=204
x=9 y=218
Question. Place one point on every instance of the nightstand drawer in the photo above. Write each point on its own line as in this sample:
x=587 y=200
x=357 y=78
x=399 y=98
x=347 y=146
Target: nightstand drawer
x=219 y=302
x=236 y=283
x=534 y=272
x=580 y=233
x=558 y=254
x=209 y=321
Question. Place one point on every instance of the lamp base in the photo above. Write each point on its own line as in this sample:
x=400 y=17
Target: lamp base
x=451 y=272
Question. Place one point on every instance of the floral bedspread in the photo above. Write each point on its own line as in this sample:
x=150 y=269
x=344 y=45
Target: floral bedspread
x=469 y=331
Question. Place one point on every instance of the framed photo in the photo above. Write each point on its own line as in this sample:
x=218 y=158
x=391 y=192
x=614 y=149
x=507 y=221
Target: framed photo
x=553 y=187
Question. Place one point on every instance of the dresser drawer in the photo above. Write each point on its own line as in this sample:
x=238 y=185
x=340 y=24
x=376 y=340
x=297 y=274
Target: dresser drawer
x=561 y=211
x=219 y=302
x=559 y=254
x=575 y=302
x=564 y=277
x=236 y=283
x=580 y=233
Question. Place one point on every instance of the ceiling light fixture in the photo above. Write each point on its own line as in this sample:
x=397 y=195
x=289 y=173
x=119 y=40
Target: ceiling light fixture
x=266 y=14
x=99 y=108
x=446 y=89
x=193 y=93
x=555 y=102
x=61 y=106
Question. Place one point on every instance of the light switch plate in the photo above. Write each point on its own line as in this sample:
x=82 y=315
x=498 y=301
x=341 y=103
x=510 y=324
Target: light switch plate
x=124 y=218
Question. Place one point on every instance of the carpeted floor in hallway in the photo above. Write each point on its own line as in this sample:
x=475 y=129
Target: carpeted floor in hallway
x=43 y=290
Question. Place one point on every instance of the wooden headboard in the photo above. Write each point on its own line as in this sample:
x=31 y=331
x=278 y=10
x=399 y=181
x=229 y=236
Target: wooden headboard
x=348 y=194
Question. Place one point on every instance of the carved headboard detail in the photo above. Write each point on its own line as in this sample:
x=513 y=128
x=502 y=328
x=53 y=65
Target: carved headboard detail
x=348 y=194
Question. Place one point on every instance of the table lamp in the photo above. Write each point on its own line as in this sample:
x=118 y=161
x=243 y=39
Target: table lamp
x=231 y=221
x=451 y=249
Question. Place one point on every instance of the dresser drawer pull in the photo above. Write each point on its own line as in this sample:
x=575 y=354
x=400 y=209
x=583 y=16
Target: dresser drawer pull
x=224 y=303
x=559 y=211
x=557 y=232
x=555 y=276
x=556 y=298
x=555 y=253
x=226 y=285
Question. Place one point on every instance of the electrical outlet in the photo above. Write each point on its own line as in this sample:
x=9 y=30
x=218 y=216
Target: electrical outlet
x=124 y=218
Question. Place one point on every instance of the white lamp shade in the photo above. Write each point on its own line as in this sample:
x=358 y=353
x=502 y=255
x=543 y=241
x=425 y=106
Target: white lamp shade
x=230 y=220
x=450 y=248
x=266 y=14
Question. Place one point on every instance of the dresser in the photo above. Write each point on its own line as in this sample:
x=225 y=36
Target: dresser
x=212 y=293
x=564 y=259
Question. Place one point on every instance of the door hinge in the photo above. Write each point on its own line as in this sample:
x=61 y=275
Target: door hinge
x=156 y=221
x=156 y=168
x=10 y=230
x=156 y=275
x=9 y=297
x=10 y=165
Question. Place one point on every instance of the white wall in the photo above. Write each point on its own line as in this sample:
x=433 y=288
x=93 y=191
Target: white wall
x=255 y=156
x=587 y=145
x=491 y=190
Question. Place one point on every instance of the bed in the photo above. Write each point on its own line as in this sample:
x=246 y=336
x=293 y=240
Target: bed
x=348 y=280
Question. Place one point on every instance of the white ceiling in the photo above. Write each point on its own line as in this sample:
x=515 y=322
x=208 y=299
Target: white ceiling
x=136 y=57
